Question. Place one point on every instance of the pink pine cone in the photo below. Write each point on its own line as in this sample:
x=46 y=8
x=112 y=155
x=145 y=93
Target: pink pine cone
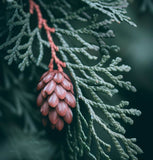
x=56 y=98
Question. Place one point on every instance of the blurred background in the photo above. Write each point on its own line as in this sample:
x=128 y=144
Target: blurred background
x=137 y=51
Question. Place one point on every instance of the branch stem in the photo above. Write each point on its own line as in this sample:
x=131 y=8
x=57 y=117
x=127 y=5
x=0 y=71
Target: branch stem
x=42 y=23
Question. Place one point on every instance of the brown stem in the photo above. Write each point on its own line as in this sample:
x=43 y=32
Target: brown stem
x=43 y=23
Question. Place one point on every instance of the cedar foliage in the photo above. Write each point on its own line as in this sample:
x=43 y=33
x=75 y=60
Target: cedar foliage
x=82 y=35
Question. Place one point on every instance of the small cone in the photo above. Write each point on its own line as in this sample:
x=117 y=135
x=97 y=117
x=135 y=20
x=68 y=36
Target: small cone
x=56 y=98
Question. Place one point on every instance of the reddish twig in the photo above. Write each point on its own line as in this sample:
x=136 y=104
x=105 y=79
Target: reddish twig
x=43 y=23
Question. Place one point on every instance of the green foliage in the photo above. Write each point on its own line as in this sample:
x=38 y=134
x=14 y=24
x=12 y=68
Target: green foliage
x=82 y=35
x=21 y=145
x=15 y=99
x=114 y=9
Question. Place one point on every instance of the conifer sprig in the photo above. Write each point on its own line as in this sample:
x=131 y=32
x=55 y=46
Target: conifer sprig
x=81 y=32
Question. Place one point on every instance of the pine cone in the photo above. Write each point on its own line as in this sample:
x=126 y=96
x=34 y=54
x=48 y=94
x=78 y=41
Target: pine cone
x=56 y=98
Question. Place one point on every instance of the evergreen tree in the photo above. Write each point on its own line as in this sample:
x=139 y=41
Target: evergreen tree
x=86 y=54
